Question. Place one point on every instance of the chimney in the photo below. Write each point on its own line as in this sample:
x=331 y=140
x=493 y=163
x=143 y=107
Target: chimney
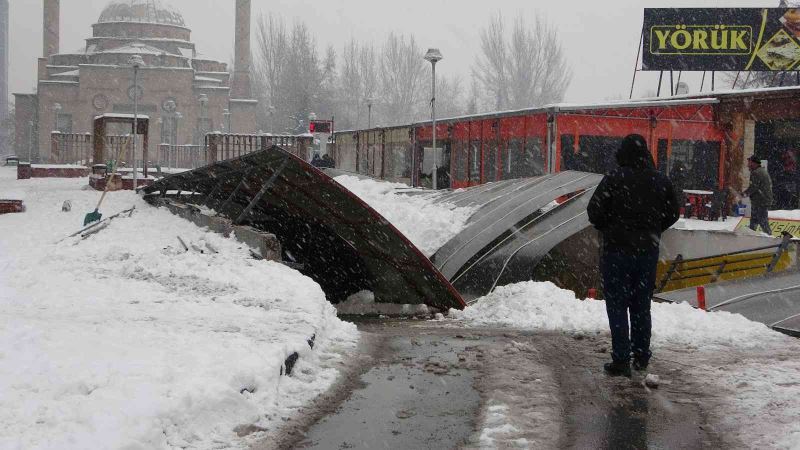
x=241 y=72
x=52 y=25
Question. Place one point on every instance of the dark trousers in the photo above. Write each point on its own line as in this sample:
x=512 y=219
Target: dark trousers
x=628 y=284
x=760 y=218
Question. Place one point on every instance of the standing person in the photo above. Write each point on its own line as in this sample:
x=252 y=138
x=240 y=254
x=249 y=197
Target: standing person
x=631 y=207
x=760 y=193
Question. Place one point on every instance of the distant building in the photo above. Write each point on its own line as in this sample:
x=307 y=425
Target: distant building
x=184 y=94
x=4 y=76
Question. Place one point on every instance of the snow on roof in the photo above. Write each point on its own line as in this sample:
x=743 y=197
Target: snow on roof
x=730 y=93
x=146 y=11
x=58 y=82
x=208 y=79
x=122 y=116
x=139 y=48
x=71 y=73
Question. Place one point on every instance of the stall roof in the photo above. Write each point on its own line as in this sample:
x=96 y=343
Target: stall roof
x=562 y=107
x=325 y=230
x=772 y=299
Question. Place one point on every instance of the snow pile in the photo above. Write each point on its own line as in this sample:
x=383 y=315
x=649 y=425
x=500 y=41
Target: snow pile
x=427 y=224
x=785 y=215
x=496 y=425
x=125 y=340
x=546 y=307
x=705 y=225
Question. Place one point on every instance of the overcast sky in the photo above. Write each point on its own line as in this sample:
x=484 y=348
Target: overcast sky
x=600 y=37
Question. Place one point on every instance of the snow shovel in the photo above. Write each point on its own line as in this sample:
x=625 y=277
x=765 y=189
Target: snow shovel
x=95 y=215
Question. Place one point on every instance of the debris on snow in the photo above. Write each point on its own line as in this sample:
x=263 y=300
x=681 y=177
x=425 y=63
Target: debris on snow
x=363 y=304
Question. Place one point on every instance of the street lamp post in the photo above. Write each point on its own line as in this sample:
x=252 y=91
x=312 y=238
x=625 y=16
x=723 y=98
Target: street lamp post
x=434 y=56
x=137 y=63
x=203 y=118
x=227 y=114
x=178 y=117
x=56 y=111
x=31 y=126
x=370 y=100
x=271 y=119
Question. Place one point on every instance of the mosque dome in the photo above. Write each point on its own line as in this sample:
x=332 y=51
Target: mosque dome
x=142 y=11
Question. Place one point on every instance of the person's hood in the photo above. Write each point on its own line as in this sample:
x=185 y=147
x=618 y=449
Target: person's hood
x=634 y=153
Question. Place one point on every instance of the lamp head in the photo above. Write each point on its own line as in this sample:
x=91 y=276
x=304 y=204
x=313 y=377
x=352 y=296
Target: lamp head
x=433 y=55
x=136 y=61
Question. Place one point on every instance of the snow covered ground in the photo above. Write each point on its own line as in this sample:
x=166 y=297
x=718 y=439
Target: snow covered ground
x=427 y=224
x=753 y=368
x=125 y=340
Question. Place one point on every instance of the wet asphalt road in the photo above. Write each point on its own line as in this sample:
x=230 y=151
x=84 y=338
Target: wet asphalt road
x=418 y=385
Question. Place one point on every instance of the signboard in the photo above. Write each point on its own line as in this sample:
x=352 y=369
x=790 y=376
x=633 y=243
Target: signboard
x=321 y=126
x=778 y=226
x=721 y=39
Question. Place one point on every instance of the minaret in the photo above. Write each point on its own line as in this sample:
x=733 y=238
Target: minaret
x=241 y=88
x=3 y=71
x=51 y=28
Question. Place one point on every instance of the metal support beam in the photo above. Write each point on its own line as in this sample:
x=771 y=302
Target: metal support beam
x=262 y=192
x=787 y=238
x=239 y=187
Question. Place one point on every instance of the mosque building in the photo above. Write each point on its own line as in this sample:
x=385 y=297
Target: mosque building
x=184 y=94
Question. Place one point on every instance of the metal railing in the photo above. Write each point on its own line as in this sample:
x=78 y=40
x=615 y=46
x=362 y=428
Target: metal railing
x=78 y=149
x=180 y=156
x=70 y=148
x=220 y=147
x=716 y=266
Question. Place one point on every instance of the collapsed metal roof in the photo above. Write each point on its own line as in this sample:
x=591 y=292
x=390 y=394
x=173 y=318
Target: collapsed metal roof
x=326 y=231
x=518 y=223
x=772 y=299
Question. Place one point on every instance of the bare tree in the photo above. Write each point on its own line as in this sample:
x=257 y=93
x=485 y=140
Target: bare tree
x=304 y=80
x=402 y=71
x=449 y=96
x=370 y=81
x=490 y=69
x=272 y=49
x=524 y=69
x=349 y=87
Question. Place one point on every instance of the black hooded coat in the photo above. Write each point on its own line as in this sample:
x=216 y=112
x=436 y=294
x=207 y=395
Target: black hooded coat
x=633 y=204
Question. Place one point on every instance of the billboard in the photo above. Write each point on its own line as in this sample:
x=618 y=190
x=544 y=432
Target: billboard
x=721 y=39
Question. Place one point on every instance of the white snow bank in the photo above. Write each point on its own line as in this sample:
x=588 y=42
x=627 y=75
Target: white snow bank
x=786 y=215
x=704 y=225
x=123 y=340
x=496 y=425
x=544 y=306
x=427 y=224
x=764 y=404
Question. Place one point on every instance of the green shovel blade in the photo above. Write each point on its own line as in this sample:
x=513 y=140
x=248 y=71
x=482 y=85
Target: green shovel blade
x=92 y=217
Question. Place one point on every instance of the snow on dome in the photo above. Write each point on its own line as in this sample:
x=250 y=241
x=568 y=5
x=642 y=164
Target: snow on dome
x=147 y=11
